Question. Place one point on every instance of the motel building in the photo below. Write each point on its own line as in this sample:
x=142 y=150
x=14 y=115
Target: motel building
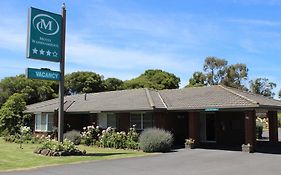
x=214 y=116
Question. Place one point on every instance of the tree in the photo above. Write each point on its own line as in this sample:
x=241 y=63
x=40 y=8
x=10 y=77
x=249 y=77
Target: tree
x=11 y=116
x=83 y=82
x=279 y=93
x=215 y=69
x=235 y=75
x=36 y=90
x=154 y=78
x=262 y=86
x=112 y=84
x=198 y=79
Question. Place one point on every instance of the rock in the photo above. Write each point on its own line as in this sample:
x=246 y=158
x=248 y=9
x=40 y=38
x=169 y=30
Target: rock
x=56 y=154
x=37 y=151
x=45 y=152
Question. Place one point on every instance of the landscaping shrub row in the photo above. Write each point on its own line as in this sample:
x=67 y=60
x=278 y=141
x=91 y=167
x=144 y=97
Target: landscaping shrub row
x=150 y=140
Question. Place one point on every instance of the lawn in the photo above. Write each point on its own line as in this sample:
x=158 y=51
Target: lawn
x=13 y=157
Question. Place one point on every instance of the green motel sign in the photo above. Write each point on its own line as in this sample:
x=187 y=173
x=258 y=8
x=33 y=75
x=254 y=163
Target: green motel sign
x=42 y=74
x=44 y=35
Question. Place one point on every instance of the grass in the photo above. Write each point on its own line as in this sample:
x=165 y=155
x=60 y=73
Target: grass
x=13 y=157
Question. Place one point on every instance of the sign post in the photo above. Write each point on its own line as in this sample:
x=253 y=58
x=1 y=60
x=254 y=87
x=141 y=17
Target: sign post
x=46 y=41
x=61 y=83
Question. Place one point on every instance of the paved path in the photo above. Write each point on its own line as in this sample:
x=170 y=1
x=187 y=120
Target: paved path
x=184 y=161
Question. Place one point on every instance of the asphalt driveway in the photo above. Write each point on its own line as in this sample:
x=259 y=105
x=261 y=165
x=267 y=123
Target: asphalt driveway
x=184 y=161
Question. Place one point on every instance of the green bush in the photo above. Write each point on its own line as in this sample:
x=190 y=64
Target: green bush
x=74 y=136
x=156 y=140
x=132 y=139
x=55 y=148
x=90 y=135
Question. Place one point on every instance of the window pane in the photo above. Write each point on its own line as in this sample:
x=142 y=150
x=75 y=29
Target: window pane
x=38 y=122
x=147 y=120
x=135 y=119
x=111 y=120
x=43 y=122
x=102 y=120
x=50 y=122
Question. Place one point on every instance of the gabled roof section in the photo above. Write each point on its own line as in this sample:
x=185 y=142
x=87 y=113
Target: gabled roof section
x=203 y=97
x=261 y=100
x=124 y=100
x=197 y=98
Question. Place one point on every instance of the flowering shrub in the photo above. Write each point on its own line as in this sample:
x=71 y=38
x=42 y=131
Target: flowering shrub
x=24 y=136
x=119 y=140
x=54 y=148
x=90 y=135
x=106 y=138
x=132 y=138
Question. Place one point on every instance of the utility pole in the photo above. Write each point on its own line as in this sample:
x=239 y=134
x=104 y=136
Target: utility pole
x=61 y=82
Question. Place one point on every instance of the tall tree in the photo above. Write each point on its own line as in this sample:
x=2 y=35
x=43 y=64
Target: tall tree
x=235 y=75
x=112 y=84
x=198 y=79
x=83 y=82
x=11 y=116
x=36 y=90
x=279 y=93
x=154 y=78
x=215 y=69
x=262 y=86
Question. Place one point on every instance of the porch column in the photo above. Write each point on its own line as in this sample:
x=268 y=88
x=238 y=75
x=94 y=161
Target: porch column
x=250 y=129
x=194 y=126
x=273 y=126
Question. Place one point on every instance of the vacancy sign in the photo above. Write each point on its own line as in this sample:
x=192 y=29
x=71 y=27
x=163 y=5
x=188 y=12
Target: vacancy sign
x=42 y=74
x=44 y=35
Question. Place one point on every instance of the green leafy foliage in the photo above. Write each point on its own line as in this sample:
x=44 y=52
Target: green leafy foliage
x=90 y=135
x=235 y=75
x=83 y=82
x=35 y=90
x=11 y=116
x=262 y=86
x=155 y=79
x=112 y=84
x=56 y=148
x=215 y=69
x=132 y=138
x=156 y=140
x=74 y=136
x=198 y=79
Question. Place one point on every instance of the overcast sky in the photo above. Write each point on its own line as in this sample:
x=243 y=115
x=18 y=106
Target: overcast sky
x=122 y=38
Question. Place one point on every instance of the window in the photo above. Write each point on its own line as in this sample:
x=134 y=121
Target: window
x=44 y=122
x=141 y=120
x=107 y=120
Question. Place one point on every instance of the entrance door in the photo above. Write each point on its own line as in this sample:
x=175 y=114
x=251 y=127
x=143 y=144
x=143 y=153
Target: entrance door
x=210 y=127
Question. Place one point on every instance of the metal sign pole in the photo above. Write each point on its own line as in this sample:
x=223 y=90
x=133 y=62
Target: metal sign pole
x=61 y=82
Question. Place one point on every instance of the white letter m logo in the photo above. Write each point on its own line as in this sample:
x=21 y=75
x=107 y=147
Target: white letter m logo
x=42 y=24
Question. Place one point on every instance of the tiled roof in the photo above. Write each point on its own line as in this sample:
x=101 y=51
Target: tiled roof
x=148 y=100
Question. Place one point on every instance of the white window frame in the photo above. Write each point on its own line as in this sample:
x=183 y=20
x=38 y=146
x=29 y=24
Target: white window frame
x=141 y=118
x=105 y=117
x=38 y=116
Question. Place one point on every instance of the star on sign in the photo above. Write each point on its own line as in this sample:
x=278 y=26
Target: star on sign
x=41 y=51
x=34 y=50
x=55 y=54
x=48 y=53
